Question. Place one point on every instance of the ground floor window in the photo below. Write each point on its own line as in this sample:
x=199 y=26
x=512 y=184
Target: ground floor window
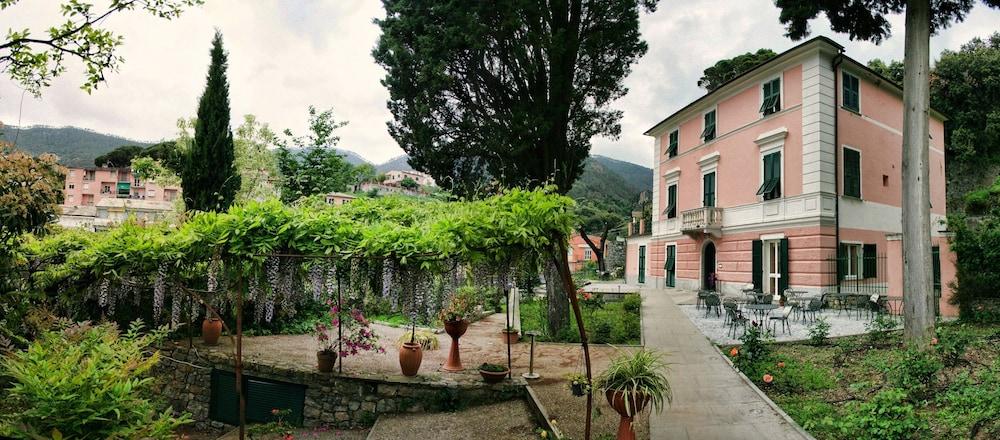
x=853 y=264
x=670 y=266
x=642 y=264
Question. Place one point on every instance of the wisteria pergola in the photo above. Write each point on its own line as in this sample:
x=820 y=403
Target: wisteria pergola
x=409 y=251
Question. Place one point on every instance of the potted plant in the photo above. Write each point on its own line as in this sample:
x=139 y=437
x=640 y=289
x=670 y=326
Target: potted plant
x=455 y=317
x=356 y=334
x=630 y=383
x=510 y=335
x=326 y=355
x=493 y=373
x=211 y=329
x=578 y=384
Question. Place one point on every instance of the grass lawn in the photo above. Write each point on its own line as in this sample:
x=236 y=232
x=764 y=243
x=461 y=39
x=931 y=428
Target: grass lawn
x=606 y=322
x=870 y=386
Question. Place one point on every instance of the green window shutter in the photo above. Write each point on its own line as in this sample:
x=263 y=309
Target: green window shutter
x=709 y=132
x=936 y=264
x=776 y=174
x=672 y=143
x=870 y=256
x=757 y=267
x=852 y=173
x=771 y=101
x=841 y=261
x=670 y=265
x=261 y=397
x=708 y=197
x=671 y=210
x=851 y=92
x=783 y=265
x=224 y=405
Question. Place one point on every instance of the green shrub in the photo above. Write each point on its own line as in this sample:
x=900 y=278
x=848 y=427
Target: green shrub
x=791 y=376
x=879 y=329
x=972 y=405
x=602 y=332
x=952 y=343
x=815 y=416
x=915 y=372
x=86 y=383
x=632 y=303
x=887 y=415
x=819 y=331
x=755 y=349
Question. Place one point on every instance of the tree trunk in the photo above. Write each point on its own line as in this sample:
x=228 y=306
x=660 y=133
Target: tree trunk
x=567 y=281
x=918 y=316
x=555 y=292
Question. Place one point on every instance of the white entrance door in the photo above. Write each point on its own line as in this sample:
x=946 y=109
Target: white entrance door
x=772 y=266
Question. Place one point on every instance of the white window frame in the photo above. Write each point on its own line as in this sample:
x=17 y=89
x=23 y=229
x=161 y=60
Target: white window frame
x=841 y=91
x=861 y=177
x=714 y=108
x=760 y=90
x=588 y=254
x=858 y=260
x=86 y=186
x=775 y=148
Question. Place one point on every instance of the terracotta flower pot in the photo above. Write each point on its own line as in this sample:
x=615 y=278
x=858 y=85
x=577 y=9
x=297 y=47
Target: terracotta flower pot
x=455 y=329
x=492 y=377
x=211 y=329
x=635 y=405
x=510 y=337
x=410 y=356
x=325 y=361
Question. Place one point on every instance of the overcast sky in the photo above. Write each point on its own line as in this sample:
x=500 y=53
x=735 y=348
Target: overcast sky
x=286 y=55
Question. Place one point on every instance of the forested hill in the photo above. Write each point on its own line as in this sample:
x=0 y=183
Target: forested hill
x=76 y=147
x=612 y=185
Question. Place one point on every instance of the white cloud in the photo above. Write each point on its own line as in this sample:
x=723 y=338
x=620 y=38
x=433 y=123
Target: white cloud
x=285 y=56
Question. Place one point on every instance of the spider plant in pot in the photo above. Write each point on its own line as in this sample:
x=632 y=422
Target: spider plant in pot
x=632 y=381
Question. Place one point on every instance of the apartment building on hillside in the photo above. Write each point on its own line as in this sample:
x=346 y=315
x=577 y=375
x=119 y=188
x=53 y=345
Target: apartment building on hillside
x=88 y=186
x=762 y=181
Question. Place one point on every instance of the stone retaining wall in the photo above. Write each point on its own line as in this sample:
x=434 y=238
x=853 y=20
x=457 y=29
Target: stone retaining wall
x=332 y=400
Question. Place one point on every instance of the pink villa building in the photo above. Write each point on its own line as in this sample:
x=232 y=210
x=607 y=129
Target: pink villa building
x=580 y=253
x=87 y=186
x=759 y=182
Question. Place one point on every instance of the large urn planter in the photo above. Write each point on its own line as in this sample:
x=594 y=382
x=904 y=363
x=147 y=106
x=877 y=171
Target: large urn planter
x=636 y=403
x=455 y=329
x=325 y=360
x=410 y=356
x=211 y=329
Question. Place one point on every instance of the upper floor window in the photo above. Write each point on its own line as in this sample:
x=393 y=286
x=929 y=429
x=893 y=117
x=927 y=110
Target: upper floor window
x=708 y=189
x=587 y=254
x=852 y=172
x=770 y=188
x=671 y=210
x=771 y=94
x=672 y=140
x=852 y=92
x=709 y=132
x=71 y=186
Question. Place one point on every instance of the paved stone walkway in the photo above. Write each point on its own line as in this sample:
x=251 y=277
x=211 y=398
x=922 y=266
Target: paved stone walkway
x=711 y=401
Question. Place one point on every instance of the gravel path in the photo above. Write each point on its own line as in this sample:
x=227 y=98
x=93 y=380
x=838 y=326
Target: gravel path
x=506 y=420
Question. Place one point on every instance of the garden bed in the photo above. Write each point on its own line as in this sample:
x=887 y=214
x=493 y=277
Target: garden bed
x=870 y=386
x=607 y=322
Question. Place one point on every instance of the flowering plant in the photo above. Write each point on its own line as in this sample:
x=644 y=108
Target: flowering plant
x=322 y=333
x=356 y=333
x=461 y=306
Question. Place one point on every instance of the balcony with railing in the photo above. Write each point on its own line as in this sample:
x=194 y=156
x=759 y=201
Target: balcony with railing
x=705 y=220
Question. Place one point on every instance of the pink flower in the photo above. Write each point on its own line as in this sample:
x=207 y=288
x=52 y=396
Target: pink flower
x=768 y=378
x=934 y=341
x=735 y=351
x=781 y=365
x=275 y=411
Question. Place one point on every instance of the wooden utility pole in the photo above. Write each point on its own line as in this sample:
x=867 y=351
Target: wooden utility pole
x=918 y=291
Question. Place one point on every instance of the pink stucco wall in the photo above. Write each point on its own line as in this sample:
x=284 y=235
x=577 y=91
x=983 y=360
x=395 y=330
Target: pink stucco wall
x=578 y=250
x=876 y=132
x=739 y=124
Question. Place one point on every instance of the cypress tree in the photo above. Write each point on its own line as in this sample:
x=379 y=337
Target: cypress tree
x=210 y=179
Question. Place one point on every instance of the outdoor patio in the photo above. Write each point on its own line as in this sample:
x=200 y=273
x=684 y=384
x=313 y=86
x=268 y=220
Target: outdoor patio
x=714 y=325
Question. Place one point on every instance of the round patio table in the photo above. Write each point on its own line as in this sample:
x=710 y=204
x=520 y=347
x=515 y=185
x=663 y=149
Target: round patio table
x=761 y=310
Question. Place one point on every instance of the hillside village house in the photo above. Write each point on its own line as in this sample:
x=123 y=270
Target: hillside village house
x=580 y=252
x=98 y=197
x=758 y=182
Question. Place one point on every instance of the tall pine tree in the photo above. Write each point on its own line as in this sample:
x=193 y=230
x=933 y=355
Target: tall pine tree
x=210 y=179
